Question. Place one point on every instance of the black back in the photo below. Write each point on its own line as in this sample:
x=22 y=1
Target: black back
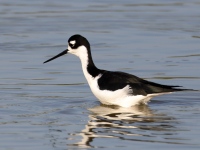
x=117 y=80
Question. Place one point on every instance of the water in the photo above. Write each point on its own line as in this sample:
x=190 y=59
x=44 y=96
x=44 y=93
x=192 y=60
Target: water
x=50 y=106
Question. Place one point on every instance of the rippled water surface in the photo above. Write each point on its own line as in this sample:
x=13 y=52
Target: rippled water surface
x=50 y=106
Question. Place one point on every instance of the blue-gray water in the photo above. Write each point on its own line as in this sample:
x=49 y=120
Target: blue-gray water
x=50 y=106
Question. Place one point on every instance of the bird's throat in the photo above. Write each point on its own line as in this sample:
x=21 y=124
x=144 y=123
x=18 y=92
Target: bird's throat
x=89 y=69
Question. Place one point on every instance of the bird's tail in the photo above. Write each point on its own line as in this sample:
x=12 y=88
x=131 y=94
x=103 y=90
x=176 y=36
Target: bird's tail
x=152 y=87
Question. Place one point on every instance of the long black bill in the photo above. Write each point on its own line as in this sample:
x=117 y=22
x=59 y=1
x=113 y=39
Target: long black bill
x=62 y=53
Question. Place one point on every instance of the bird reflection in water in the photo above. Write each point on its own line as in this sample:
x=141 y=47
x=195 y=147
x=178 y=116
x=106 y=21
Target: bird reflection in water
x=137 y=123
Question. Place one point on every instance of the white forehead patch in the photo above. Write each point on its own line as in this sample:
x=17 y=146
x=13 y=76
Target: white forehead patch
x=72 y=42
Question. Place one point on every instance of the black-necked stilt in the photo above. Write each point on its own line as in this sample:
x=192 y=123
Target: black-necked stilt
x=110 y=87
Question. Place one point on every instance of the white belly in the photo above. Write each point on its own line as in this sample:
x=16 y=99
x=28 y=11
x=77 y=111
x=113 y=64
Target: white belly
x=119 y=97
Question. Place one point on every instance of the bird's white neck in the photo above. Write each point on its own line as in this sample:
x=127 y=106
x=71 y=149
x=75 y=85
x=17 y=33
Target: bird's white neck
x=84 y=63
x=89 y=69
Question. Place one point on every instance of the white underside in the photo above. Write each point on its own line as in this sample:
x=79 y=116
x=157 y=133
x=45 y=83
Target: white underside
x=121 y=97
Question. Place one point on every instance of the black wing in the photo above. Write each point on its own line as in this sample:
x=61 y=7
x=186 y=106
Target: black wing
x=117 y=80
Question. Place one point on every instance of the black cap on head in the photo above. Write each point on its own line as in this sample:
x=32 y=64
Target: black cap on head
x=74 y=42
